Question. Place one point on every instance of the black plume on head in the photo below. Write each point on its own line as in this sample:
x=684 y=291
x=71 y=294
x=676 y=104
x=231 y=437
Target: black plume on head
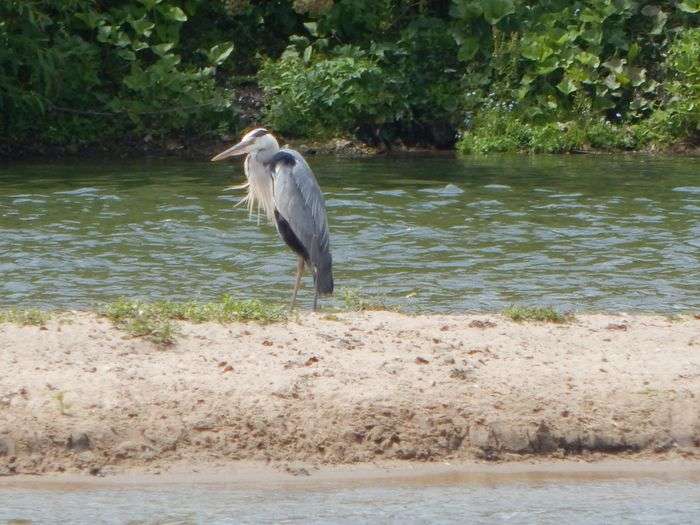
x=260 y=133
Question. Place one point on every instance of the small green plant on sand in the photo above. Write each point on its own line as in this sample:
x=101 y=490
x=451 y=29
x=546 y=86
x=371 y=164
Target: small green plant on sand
x=155 y=320
x=355 y=301
x=545 y=314
x=30 y=316
x=141 y=320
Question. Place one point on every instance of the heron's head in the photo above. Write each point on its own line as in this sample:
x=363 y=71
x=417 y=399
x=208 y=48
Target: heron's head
x=258 y=140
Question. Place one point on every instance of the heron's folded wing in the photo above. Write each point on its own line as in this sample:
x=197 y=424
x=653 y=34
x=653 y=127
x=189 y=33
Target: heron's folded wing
x=300 y=202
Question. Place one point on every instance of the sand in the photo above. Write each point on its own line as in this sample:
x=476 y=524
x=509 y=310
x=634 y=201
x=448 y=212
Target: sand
x=81 y=396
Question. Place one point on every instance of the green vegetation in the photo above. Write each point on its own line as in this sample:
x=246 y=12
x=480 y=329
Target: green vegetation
x=142 y=320
x=544 y=314
x=155 y=320
x=502 y=75
x=355 y=301
x=29 y=317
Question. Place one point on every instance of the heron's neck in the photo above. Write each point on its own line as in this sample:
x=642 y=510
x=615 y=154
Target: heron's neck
x=264 y=156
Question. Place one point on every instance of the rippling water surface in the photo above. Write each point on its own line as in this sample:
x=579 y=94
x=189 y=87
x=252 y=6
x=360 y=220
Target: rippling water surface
x=432 y=234
x=572 y=503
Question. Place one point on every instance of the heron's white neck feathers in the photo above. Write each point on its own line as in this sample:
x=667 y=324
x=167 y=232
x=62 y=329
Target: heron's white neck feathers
x=260 y=189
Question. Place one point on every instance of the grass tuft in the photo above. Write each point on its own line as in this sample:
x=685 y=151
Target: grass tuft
x=29 y=317
x=355 y=301
x=545 y=314
x=155 y=320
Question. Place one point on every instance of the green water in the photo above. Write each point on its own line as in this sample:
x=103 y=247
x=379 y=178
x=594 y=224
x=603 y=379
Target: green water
x=431 y=234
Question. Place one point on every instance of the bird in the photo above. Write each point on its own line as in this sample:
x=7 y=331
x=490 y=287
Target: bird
x=280 y=181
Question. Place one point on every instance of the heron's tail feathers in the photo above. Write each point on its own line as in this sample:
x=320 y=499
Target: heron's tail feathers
x=324 y=275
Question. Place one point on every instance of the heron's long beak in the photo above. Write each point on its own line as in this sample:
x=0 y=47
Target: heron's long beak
x=239 y=149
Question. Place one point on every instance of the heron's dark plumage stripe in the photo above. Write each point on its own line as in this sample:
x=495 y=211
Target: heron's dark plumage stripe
x=290 y=238
x=282 y=157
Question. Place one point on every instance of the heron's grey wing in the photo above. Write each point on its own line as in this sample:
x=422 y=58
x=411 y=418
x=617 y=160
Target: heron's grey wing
x=299 y=200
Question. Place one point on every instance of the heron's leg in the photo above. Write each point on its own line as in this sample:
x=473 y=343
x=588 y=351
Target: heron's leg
x=300 y=272
x=315 y=293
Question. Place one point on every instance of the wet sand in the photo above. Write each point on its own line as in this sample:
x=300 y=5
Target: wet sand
x=263 y=476
x=325 y=391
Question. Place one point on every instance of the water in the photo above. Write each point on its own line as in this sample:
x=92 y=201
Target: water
x=612 y=501
x=431 y=234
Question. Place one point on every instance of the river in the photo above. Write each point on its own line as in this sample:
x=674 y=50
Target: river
x=429 y=234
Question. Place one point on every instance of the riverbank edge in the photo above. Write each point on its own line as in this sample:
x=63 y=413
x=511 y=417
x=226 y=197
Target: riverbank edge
x=80 y=395
x=344 y=147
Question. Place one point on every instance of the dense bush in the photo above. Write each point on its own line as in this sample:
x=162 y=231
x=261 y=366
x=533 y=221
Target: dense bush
x=395 y=77
x=324 y=96
x=673 y=114
x=554 y=75
x=74 y=71
x=679 y=115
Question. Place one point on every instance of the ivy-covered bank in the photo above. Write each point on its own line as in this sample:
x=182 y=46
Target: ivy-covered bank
x=481 y=75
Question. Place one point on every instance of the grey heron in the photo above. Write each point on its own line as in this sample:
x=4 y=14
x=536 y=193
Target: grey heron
x=281 y=183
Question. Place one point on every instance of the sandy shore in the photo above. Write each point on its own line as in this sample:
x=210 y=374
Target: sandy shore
x=80 y=395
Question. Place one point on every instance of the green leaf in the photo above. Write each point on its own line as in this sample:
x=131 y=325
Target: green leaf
x=495 y=10
x=633 y=52
x=143 y=27
x=162 y=49
x=299 y=41
x=122 y=39
x=174 y=13
x=591 y=16
x=588 y=59
x=636 y=75
x=90 y=18
x=126 y=54
x=615 y=64
x=567 y=86
x=659 y=23
x=220 y=52
x=150 y=4
x=602 y=103
x=536 y=50
x=522 y=92
x=593 y=35
x=307 y=54
x=469 y=48
x=548 y=65
x=611 y=81
x=103 y=33
x=650 y=86
x=168 y=62
x=137 y=45
x=689 y=6
x=466 y=9
x=311 y=27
